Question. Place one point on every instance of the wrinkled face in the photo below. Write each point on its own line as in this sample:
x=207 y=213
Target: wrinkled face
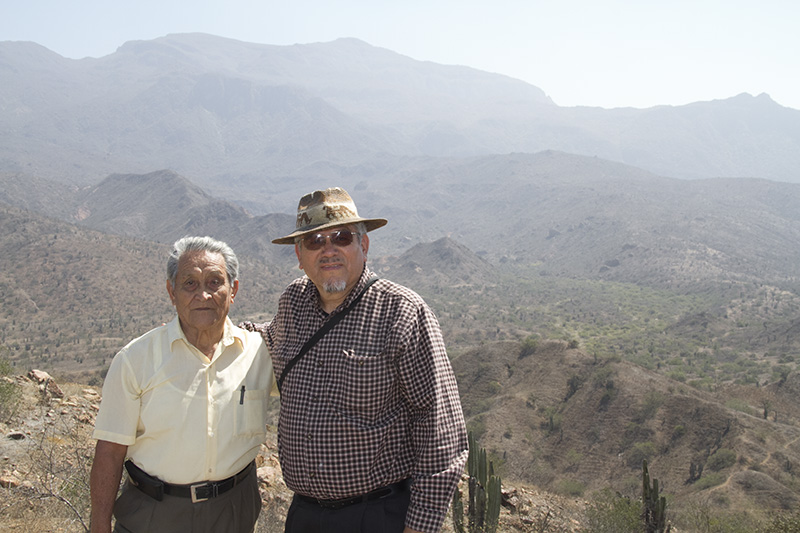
x=202 y=293
x=334 y=268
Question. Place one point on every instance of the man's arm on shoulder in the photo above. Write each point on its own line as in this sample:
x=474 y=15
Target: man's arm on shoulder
x=104 y=483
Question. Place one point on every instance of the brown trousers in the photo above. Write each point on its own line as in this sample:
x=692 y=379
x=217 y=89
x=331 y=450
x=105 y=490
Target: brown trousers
x=235 y=511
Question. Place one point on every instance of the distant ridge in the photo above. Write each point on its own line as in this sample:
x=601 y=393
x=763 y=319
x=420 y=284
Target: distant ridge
x=164 y=206
x=440 y=263
x=149 y=206
x=569 y=215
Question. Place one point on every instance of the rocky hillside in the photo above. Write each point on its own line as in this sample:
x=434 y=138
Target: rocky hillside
x=46 y=450
x=555 y=417
x=46 y=454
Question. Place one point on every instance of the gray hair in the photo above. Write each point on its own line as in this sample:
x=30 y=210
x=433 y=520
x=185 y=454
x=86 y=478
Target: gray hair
x=202 y=244
x=360 y=227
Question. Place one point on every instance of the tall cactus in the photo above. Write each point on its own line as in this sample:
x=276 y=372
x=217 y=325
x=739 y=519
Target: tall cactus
x=484 y=494
x=654 y=506
x=458 y=512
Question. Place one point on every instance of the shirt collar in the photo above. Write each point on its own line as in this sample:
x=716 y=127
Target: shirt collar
x=229 y=335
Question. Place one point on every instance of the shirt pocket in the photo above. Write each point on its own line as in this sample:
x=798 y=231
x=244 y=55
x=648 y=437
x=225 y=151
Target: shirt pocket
x=250 y=412
x=361 y=387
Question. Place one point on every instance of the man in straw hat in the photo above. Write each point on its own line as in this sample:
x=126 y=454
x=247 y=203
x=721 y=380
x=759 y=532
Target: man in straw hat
x=371 y=434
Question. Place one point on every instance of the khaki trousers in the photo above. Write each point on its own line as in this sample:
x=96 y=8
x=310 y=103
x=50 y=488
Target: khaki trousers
x=235 y=511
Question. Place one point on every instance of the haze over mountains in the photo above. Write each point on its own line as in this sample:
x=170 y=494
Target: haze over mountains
x=262 y=118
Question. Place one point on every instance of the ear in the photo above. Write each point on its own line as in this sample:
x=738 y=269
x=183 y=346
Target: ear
x=171 y=292
x=365 y=245
x=299 y=258
x=234 y=289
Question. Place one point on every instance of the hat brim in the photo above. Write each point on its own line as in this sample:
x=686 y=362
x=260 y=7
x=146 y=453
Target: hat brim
x=370 y=223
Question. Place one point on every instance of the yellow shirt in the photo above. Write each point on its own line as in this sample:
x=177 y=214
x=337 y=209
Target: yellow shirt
x=186 y=418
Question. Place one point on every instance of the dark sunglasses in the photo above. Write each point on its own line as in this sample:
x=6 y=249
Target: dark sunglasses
x=340 y=238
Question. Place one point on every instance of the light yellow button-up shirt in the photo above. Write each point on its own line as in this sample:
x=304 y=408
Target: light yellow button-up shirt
x=186 y=418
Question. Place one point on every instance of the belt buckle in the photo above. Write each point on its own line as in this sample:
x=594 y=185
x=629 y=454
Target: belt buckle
x=193 y=491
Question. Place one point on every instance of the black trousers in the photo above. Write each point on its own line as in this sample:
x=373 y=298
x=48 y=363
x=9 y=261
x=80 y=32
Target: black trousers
x=386 y=515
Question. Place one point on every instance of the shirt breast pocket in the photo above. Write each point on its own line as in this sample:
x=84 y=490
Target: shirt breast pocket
x=250 y=412
x=361 y=387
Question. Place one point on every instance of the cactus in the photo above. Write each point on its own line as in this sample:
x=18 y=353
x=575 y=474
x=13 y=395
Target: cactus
x=493 y=501
x=485 y=495
x=458 y=512
x=654 y=506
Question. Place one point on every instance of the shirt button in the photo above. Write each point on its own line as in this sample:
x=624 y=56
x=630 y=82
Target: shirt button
x=308 y=437
x=361 y=363
x=319 y=363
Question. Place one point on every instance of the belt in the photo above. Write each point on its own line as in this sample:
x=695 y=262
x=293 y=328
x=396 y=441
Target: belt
x=377 y=494
x=198 y=492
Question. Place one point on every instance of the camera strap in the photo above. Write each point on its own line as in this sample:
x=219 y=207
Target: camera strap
x=327 y=326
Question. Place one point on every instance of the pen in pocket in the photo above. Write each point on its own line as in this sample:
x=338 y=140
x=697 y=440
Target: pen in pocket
x=241 y=396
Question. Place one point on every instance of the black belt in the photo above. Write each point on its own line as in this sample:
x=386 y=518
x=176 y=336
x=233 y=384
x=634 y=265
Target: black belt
x=198 y=492
x=377 y=494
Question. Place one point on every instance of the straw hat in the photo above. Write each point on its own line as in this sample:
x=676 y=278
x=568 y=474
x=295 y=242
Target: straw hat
x=325 y=209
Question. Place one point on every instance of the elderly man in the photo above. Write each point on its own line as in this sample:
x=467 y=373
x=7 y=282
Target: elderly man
x=371 y=434
x=185 y=403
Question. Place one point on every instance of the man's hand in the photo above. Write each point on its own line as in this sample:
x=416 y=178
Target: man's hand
x=104 y=483
x=408 y=530
x=254 y=326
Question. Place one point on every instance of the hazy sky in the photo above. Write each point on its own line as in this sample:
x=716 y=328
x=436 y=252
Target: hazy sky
x=607 y=53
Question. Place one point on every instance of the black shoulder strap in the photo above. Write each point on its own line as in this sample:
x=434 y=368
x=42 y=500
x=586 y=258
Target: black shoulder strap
x=327 y=326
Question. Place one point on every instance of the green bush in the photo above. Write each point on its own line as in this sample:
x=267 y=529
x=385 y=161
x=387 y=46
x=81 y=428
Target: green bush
x=722 y=458
x=709 y=480
x=649 y=406
x=570 y=487
x=740 y=405
x=783 y=523
x=529 y=346
x=641 y=451
x=574 y=344
x=553 y=420
x=678 y=432
x=608 y=513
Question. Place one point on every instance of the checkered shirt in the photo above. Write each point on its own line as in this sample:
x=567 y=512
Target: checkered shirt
x=373 y=402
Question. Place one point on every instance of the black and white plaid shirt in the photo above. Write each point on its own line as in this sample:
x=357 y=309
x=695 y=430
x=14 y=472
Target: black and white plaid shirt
x=373 y=402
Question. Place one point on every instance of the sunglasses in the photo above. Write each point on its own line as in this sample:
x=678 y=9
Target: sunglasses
x=340 y=238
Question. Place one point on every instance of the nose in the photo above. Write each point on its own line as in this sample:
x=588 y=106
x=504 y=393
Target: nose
x=328 y=246
x=205 y=293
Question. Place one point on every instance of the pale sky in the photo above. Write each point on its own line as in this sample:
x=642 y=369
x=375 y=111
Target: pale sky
x=605 y=53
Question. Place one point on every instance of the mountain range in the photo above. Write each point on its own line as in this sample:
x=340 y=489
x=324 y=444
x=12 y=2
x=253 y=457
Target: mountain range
x=256 y=123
